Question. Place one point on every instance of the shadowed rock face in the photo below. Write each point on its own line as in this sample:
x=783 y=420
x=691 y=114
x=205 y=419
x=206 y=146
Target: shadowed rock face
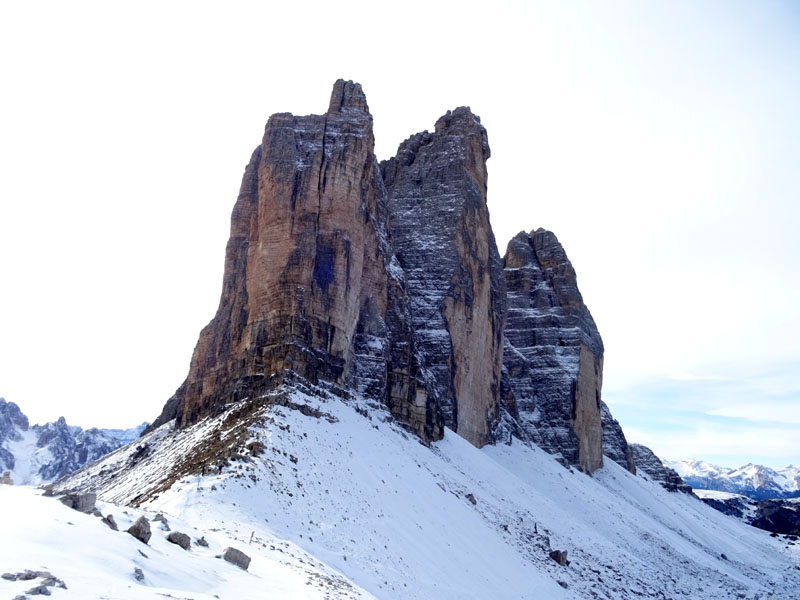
x=311 y=287
x=650 y=464
x=553 y=354
x=439 y=225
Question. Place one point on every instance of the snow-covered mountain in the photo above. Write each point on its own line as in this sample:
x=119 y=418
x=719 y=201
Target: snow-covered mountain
x=754 y=481
x=348 y=488
x=36 y=454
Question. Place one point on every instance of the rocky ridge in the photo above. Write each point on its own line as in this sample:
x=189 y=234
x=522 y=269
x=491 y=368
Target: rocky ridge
x=649 y=463
x=385 y=280
x=36 y=454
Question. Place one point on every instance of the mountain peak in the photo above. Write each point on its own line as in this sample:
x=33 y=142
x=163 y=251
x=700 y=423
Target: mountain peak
x=347 y=96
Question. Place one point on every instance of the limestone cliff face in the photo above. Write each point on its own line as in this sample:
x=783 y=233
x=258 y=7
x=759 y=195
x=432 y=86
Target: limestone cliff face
x=385 y=280
x=311 y=286
x=553 y=352
x=439 y=225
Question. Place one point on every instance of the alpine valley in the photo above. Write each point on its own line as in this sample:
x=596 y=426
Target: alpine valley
x=383 y=406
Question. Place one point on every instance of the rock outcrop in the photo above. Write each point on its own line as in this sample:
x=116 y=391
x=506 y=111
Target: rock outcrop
x=141 y=530
x=553 y=354
x=615 y=446
x=385 y=279
x=311 y=287
x=439 y=225
x=649 y=463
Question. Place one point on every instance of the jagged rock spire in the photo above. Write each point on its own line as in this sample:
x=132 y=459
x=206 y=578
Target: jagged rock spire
x=347 y=96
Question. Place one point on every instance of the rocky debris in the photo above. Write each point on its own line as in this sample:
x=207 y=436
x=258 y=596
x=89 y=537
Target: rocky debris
x=111 y=522
x=141 y=530
x=138 y=574
x=81 y=502
x=48 y=581
x=560 y=556
x=181 y=539
x=471 y=499
x=649 y=463
x=553 y=353
x=440 y=230
x=6 y=479
x=236 y=557
x=201 y=541
x=48 y=490
x=39 y=590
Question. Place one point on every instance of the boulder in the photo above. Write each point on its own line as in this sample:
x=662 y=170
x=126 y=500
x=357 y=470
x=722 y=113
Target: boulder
x=181 y=539
x=6 y=478
x=81 y=502
x=202 y=542
x=560 y=556
x=109 y=520
x=236 y=557
x=141 y=530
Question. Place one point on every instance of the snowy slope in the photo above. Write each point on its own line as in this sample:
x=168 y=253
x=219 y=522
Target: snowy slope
x=95 y=562
x=754 y=481
x=351 y=488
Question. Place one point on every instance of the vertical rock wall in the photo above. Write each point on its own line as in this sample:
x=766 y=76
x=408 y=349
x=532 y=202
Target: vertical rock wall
x=386 y=280
x=310 y=280
x=439 y=225
x=553 y=353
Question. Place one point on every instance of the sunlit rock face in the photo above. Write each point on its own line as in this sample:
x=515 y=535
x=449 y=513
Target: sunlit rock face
x=439 y=225
x=311 y=287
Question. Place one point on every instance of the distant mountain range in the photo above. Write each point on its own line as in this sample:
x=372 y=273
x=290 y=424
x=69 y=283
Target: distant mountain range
x=754 y=481
x=37 y=454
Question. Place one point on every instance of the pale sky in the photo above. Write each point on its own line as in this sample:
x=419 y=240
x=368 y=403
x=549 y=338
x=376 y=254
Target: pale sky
x=660 y=141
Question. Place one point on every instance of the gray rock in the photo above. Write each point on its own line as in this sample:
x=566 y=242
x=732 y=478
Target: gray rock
x=553 y=354
x=109 y=520
x=6 y=479
x=39 y=590
x=181 y=539
x=236 y=557
x=649 y=463
x=141 y=530
x=439 y=224
x=81 y=502
x=471 y=498
x=138 y=574
x=202 y=542
x=9 y=576
x=560 y=556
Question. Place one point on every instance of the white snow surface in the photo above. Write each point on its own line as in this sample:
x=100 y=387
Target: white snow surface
x=352 y=493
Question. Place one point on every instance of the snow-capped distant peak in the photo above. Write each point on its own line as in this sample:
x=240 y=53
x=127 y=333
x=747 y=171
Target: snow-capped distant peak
x=42 y=453
x=751 y=480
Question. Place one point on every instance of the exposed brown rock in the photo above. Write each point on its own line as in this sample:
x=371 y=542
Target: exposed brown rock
x=311 y=286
